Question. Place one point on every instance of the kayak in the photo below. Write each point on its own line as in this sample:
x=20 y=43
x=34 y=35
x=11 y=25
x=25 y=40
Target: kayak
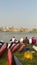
x=2 y=49
x=15 y=47
x=21 y=48
x=12 y=60
x=9 y=57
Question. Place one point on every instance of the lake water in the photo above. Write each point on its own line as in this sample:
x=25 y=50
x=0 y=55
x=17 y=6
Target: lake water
x=6 y=36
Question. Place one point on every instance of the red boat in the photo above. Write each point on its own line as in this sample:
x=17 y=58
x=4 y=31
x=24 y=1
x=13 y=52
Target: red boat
x=21 y=48
x=2 y=49
x=12 y=60
x=9 y=57
x=15 y=47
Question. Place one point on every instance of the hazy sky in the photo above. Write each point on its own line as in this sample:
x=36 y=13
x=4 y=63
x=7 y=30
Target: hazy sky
x=18 y=13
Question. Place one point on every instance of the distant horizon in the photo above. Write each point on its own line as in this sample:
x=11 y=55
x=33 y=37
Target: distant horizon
x=18 y=13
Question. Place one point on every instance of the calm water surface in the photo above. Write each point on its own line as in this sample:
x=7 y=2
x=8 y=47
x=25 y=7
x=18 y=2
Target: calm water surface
x=6 y=36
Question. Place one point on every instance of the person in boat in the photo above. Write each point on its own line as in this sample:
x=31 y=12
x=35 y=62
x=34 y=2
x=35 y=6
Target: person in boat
x=26 y=40
x=13 y=41
x=33 y=40
x=21 y=40
x=1 y=43
x=30 y=40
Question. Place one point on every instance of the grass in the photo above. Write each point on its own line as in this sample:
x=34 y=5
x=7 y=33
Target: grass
x=20 y=55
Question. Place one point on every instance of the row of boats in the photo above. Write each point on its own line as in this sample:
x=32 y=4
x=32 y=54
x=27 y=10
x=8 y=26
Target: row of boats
x=12 y=46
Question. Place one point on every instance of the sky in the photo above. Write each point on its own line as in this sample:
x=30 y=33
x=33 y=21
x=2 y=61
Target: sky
x=18 y=13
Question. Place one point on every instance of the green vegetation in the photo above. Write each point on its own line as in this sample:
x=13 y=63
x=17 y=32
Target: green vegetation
x=34 y=30
x=3 y=59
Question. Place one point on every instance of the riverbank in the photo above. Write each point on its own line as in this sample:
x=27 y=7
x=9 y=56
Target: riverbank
x=15 y=29
x=3 y=59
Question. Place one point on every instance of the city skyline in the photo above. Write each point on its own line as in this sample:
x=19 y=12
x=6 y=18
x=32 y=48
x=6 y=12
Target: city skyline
x=18 y=13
